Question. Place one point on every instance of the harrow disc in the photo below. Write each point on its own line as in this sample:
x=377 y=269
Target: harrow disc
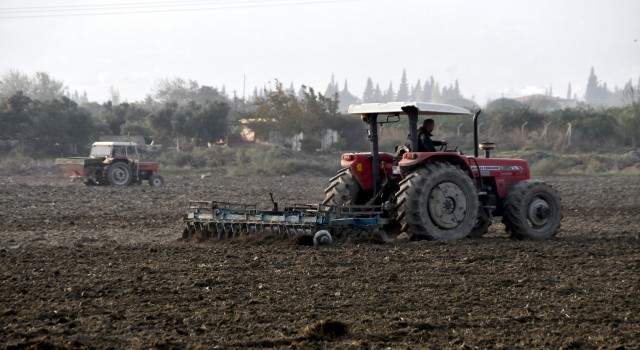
x=220 y=221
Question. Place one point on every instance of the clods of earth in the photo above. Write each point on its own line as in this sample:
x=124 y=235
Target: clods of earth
x=103 y=267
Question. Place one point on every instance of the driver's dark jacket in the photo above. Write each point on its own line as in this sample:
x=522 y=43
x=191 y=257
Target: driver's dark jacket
x=425 y=144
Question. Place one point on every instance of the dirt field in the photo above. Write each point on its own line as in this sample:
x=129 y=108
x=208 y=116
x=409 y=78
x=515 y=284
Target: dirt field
x=100 y=267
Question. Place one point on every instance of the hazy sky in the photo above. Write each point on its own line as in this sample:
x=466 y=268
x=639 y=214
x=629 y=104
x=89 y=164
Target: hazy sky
x=492 y=47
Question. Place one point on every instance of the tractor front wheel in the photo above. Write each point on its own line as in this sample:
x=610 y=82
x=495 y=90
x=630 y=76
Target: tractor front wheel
x=156 y=181
x=119 y=174
x=532 y=210
x=438 y=202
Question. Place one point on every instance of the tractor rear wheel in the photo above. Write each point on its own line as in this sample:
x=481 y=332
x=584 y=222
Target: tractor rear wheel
x=119 y=174
x=343 y=189
x=532 y=210
x=438 y=202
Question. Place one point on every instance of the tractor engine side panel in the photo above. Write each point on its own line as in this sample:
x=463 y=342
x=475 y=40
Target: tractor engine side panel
x=505 y=172
x=148 y=166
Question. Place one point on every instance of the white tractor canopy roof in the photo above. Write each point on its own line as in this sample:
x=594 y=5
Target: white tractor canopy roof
x=424 y=108
x=114 y=143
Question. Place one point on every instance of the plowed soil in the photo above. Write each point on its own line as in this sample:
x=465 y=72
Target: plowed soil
x=102 y=267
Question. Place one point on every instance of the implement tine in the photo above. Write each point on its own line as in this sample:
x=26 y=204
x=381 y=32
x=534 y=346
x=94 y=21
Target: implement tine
x=226 y=220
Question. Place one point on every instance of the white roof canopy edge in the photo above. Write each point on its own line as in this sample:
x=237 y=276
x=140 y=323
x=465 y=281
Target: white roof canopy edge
x=424 y=108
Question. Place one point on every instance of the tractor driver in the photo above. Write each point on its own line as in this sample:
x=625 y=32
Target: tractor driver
x=425 y=144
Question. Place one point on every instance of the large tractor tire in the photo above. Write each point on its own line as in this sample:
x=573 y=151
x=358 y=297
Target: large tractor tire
x=119 y=174
x=532 y=210
x=437 y=202
x=343 y=189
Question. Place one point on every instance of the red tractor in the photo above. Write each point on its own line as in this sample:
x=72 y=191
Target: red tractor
x=111 y=163
x=443 y=195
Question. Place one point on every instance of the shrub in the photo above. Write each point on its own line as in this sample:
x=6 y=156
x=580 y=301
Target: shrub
x=549 y=166
x=594 y=164
x=16 y=163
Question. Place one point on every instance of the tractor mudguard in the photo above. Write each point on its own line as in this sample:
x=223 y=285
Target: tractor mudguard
x=360 y=166
x=412 y=159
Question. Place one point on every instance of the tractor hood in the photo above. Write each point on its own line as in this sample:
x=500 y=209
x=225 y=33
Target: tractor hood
x=424 y=108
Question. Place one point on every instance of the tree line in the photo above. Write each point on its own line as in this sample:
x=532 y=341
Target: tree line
x=179 y=112
x=583 y=128
x=38 y=116
x=43 y=121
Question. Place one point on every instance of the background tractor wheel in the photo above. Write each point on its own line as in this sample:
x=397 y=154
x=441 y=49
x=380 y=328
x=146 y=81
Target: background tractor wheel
x=119 y=174
x=438 y=201
x=532 y=210
x=343 y=189
x=156 y=180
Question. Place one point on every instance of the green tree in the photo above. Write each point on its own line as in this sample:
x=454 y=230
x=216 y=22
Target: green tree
x=286 y=115
x=131 y=127
x=416 y=93
x=502 y=104
x=80 y=127
x=508 y=120
x=346 y=98
x=39 y=87
x=377 y=94
x=13 y=82
x=368 y=94
x=206 y=122
x=629 y=123
x=15 y=117
x=114 y=116
x=277 y=111
x=403 y=89
x=183 y=91
x=332 y=88
x=160 y=122
x=389 y=94
x=59 y=126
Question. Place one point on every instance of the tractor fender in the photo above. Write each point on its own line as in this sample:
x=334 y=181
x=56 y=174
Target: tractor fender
x=360 y=166
x=410 y=160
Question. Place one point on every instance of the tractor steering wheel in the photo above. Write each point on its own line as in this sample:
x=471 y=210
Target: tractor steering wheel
x=443 y=148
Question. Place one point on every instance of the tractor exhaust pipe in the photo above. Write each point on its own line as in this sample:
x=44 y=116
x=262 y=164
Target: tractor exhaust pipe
x=475 y=133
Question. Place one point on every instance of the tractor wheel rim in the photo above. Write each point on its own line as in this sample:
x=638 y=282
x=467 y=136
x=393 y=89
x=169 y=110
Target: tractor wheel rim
x=447 y=205
x=119 y=175
x=539 y=212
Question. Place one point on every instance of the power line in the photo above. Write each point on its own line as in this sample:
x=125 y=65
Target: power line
x=119 y=5
x=154 y=7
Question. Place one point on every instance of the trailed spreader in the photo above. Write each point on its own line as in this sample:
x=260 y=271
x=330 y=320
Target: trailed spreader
x=221 y=220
